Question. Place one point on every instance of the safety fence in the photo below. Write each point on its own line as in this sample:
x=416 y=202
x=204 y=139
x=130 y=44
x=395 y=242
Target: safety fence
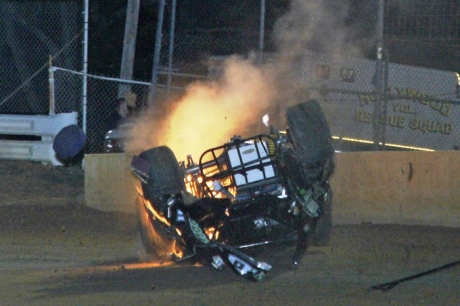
x=421 y=106
x=421 y=46
x=35 y=33
x=101 y=100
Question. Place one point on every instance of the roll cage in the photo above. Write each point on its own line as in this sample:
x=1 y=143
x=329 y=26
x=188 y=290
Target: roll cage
x=239 y=169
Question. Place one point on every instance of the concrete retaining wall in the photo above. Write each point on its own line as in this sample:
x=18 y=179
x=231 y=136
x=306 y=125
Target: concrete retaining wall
x=109 y=183
x=379 y=187
x=397 y=187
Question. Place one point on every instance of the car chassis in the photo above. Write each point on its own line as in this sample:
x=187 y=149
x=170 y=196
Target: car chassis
x=248 y=192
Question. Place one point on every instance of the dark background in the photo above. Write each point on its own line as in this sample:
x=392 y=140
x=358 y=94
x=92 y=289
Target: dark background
x=427 y=36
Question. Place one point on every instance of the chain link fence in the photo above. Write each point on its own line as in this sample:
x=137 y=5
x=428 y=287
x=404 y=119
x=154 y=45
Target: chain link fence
x=213 y=28
x=35 y=32
x=423 y=33
x=421 y=106
x=421 y=45
x=421 y=54
x=101 y=101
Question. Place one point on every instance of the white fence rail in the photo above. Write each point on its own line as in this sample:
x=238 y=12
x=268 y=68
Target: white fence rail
x=43 y=126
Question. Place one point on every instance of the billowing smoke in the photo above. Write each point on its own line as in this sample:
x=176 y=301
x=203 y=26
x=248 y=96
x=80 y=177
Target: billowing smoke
x=211 y=112
x=324 y=27
x=335 y=29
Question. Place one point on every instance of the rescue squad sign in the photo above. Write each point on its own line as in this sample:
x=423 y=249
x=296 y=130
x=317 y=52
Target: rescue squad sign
x=422 y=107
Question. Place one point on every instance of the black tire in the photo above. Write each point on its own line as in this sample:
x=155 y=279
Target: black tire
x=313 y=143
x=154 y=239
x=309 y=132
x=165 y=175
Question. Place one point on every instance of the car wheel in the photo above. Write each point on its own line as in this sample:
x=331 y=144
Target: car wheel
x=165 y=175
x=311 y=137
x=154 y=238
x=309 y=132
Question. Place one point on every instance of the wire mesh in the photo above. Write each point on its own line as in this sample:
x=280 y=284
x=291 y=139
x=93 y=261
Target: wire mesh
x=423 y=33
x=31 y=37
x=421 y=105
x=421 y=39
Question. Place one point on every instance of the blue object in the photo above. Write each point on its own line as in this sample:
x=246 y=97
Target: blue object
x=69 y=142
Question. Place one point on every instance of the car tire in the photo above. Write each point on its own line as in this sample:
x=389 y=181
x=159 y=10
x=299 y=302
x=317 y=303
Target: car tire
x=309 y=132
x=312 y=141
x=165 y=175
x=155 y=242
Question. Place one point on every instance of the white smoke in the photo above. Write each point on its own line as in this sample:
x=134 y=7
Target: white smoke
x=211 y=112
x=322 y=26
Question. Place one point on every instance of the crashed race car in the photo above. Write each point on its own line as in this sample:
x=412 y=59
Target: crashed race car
x=246 y=193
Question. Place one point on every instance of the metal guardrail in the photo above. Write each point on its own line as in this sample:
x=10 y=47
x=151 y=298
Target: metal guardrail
x=45 y=128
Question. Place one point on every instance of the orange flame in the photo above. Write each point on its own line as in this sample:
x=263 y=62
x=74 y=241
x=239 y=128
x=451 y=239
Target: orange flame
x=209 y=113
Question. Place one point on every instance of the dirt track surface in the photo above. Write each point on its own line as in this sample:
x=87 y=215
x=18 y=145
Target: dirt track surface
x=56 y=251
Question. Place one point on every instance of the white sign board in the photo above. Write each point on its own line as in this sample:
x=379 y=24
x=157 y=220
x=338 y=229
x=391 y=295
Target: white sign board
x=422 y=109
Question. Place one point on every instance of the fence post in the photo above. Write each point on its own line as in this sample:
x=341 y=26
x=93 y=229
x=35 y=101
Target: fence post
x=378 y=120
x=85 y=65
x=51 y=86
x=129 y=46
x=386 y=72
x=156 y=55
x=261 y=30
x=171 y=46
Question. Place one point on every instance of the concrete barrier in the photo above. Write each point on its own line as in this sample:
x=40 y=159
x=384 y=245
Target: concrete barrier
x=397 y=187
x=380 y=187
x=109 y=183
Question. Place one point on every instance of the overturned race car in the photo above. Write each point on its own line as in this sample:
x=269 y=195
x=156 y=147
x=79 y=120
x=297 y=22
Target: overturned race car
x=246 y=193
